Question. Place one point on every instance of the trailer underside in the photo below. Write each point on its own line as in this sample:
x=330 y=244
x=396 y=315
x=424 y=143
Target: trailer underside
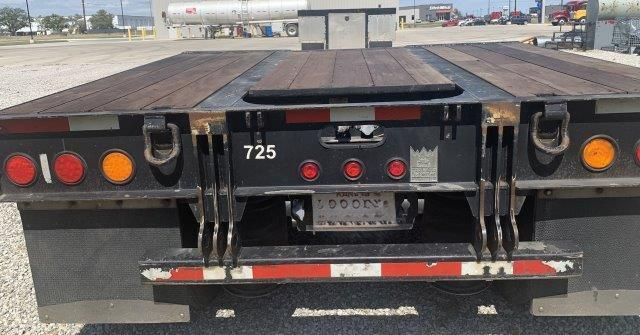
x=494 y=188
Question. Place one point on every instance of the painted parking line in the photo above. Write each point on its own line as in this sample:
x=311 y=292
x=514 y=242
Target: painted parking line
x=225 y=313
x=401 y=311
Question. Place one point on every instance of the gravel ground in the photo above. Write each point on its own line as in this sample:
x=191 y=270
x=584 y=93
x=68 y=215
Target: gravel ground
x=312 y=309
x=633 y=60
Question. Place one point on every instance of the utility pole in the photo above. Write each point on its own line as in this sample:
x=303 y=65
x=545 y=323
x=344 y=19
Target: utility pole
x=415 y=19
x=515 y=5
x=122 y=11
x=152 y=24
x=30 y=28
x=84 y=15
x=489 y=8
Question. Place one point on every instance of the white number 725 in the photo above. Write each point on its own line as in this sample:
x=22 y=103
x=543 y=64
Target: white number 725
x=259 y=151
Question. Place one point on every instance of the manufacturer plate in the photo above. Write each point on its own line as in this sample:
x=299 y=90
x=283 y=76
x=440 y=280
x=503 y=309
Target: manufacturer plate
x=354 y=211
x=424 y=165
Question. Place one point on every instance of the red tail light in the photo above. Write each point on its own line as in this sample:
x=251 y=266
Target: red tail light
x=69 y=168
x=638 y=153
x=21 y=170
x=353 y=170
x=310 y=171
x=397 y=169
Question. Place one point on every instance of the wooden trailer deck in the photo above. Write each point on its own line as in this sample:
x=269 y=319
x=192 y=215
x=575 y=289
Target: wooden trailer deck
x=228 y=80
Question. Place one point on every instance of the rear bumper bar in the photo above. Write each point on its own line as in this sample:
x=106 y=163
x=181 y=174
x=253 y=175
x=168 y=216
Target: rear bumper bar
x=418 y=262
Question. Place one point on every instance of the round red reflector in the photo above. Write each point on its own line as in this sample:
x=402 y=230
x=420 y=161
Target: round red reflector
x=21 y=170
x=396 y=169
x=310 y=171
x=69 y=169
x=353 y=170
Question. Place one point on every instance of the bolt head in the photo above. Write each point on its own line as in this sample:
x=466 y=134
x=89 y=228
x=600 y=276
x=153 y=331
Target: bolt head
x=541 y=309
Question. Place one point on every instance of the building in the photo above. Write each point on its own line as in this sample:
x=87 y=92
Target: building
x=132 y=21
x=36 y=28
x=409 y=14
x=438 y=12
x=426 y=13
x=159 y=8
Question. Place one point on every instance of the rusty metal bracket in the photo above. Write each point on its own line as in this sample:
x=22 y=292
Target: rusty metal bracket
x=553 y=112
x=500 y=124
x=212 y=233
x=157 y=124
x=233 y=242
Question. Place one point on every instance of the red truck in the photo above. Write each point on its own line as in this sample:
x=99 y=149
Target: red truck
x=563 y=16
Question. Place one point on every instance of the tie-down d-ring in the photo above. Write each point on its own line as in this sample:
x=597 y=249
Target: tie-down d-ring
x=148 y=147
x=565 y=141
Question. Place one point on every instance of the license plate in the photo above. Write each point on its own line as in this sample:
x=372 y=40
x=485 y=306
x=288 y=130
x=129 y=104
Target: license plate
x=354 y=211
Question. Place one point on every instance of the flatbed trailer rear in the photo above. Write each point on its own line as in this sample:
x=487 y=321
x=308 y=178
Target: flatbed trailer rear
x=499 y=163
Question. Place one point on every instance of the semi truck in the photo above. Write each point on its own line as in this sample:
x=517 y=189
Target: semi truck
x=566 y=15
x=465 y=166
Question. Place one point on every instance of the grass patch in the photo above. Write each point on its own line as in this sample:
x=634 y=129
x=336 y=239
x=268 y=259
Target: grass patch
x=10 y=42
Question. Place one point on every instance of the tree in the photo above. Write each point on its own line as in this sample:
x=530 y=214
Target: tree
x=76 y=24
x=54 y=22
x=102 y=20
x=14 y=19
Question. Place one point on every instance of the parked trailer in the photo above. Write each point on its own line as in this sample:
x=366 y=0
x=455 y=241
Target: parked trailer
x=235 y=12
x=494 y=163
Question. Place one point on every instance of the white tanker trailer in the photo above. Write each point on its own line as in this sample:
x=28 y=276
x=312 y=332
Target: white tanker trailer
x=237 y=12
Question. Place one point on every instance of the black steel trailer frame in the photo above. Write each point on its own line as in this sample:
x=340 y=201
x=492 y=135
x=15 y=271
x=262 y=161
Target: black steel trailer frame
x=513 y=164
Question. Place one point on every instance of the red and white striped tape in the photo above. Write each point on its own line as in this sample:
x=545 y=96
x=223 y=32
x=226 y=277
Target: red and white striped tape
x=60 y=124
x=363 y=270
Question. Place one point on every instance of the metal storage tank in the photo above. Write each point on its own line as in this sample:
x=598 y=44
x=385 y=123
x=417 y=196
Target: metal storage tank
x=229 y=12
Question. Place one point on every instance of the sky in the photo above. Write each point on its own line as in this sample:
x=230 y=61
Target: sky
x=141 y=7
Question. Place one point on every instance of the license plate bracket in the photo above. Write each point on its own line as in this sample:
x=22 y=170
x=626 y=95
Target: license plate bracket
x=355 y=211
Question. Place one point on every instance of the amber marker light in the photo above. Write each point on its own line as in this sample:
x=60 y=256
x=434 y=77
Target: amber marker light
x=117 y=167
x=599 y=153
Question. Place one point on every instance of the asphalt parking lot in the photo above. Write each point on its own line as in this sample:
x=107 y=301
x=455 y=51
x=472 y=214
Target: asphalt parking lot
x=28 y=72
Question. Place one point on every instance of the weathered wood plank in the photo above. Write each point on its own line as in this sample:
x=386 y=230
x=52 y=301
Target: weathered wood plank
x=589 y=73
x=317 y=72
x=562 y=83
x=191 y=95
x=422 y=73
x=59 y=98
x=150 y=94
x=624 y=70
x=89 y=102
x=354 y=72
x=385 y=70
x=351 y=70
x=506 y=80
x=285 y=73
